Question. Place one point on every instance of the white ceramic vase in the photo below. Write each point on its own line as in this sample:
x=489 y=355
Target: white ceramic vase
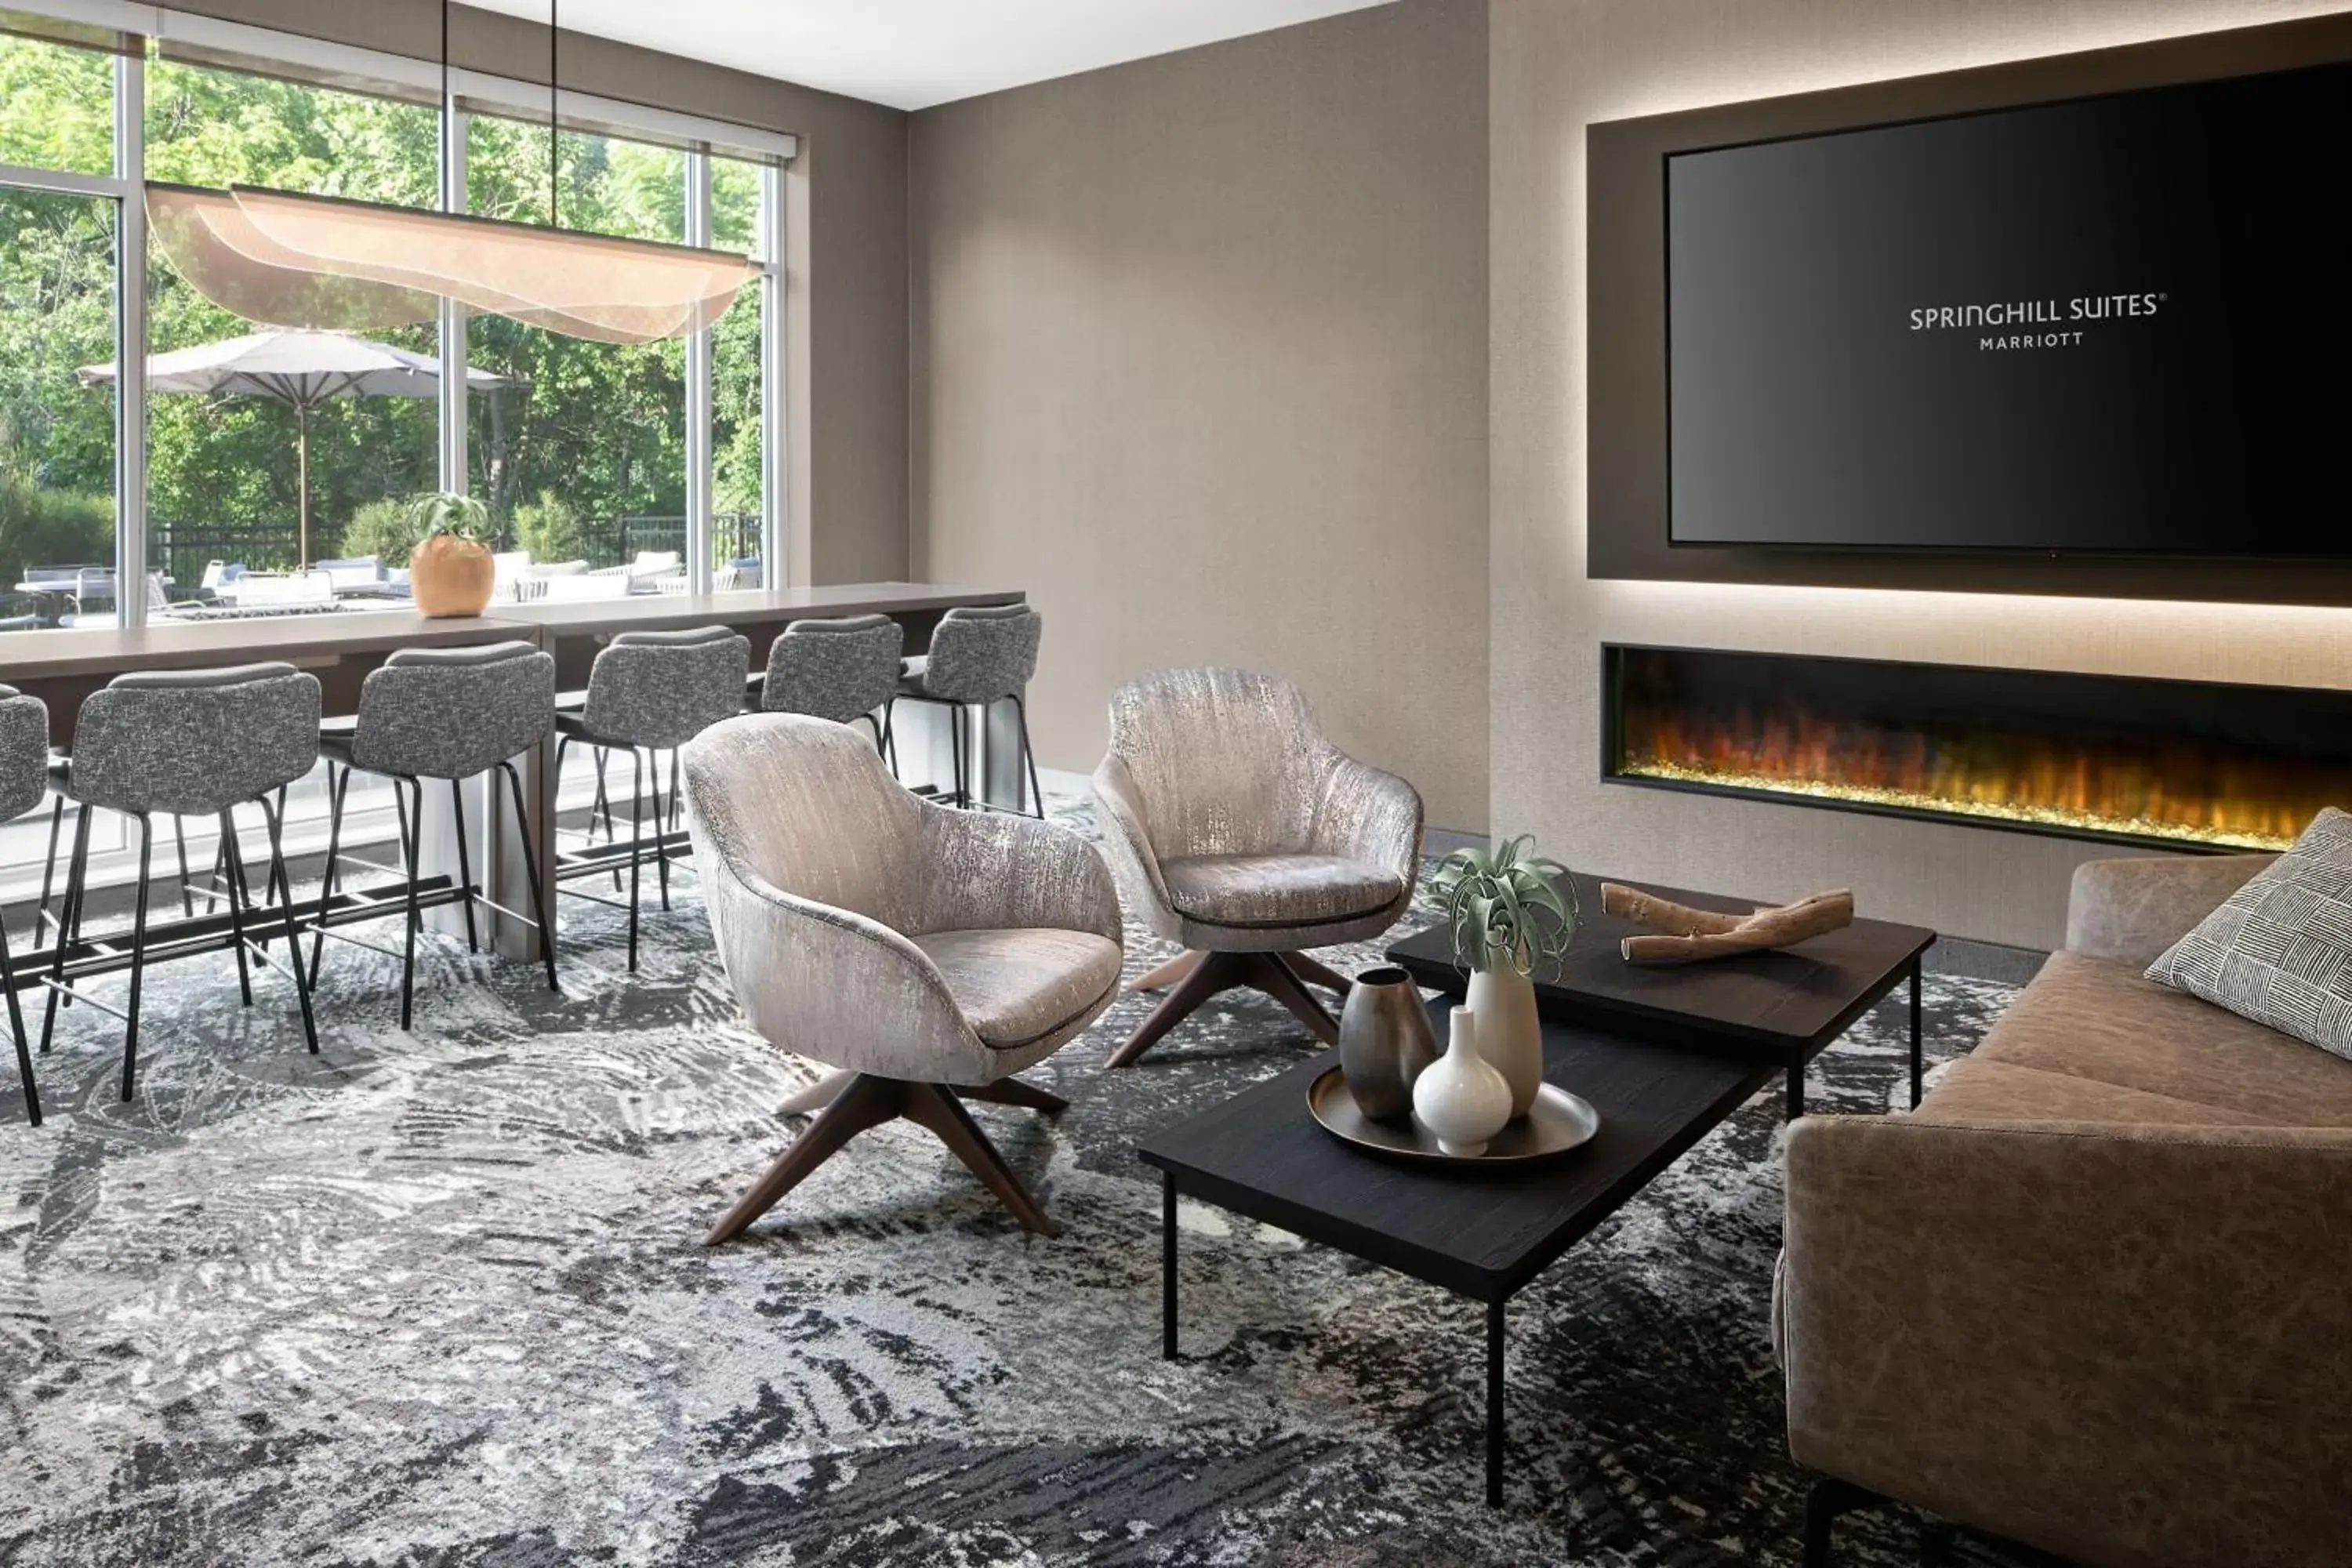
x=1510 y=1034
x=1459 y=1097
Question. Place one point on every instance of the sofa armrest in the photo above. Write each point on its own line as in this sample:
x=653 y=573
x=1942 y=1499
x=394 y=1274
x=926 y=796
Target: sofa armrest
x=2132 y=909
x=2124 y=1344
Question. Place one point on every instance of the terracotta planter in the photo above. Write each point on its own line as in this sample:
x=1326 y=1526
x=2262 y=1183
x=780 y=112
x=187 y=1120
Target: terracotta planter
x=451 y=577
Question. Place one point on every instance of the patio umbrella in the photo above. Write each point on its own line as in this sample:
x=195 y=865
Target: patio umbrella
x=300 y=370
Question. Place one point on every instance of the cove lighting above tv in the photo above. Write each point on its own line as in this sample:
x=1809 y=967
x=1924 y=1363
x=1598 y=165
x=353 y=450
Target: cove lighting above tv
x=2117 y=324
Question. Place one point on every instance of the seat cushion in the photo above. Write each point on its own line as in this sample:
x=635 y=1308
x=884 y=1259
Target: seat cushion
x=2095 y=1018
x=1254 y=890
x=1016 y=986
x=1976 y=1090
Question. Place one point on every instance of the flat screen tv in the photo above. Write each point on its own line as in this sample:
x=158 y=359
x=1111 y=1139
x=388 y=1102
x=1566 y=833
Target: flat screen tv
x=2118 y=324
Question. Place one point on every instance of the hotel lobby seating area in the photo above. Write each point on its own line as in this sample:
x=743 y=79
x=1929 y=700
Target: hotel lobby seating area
x=976 y=783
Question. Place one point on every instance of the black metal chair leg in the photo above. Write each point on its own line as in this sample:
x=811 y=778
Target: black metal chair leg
x=955 y=754
x=339 y=780
x=231 y=877
x=282 y=884
x=276 y=821
x=16 y=1030
x=138 y=956
x=187 y=893
x=465 y=865
x=661 y=820
x=49 y=867
x=676 y=801
x=68 y=921
x=531 y=869
x=637 y=844
x=890 y=735
x=603 y=803
x=1029 y=755
x=412 y=836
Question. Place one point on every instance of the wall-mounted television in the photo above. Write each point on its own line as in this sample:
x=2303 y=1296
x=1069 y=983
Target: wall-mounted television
x=2115 y=324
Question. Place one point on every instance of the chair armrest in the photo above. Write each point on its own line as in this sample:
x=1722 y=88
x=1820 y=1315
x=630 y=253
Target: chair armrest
x=2124 y=1344
x=1126 y=835
x=987 y=870
x=2132 y=908
x=833 y=985
x=1369 y=815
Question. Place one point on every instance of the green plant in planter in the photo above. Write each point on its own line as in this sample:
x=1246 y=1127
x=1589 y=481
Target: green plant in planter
x=1506 y=904
x=437 y=513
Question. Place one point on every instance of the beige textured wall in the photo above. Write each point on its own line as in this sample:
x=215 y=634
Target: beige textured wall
x=1557 y=67
x=1200 y=362
x=847 y=246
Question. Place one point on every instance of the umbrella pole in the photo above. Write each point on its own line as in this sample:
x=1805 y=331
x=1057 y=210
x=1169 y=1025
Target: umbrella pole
x=303 y=482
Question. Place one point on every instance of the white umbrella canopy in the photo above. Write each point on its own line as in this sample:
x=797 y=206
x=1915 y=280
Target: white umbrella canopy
x=302 y=370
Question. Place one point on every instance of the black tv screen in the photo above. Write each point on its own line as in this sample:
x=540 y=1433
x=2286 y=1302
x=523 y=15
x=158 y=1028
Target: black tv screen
x=2116 y=324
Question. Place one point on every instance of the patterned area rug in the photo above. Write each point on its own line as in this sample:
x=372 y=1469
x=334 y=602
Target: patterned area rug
x=440 y=1299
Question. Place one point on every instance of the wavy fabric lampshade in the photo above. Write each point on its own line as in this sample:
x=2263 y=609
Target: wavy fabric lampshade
x=323 y=262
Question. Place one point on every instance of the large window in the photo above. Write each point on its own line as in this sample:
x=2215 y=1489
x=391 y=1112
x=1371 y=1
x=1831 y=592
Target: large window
x=603 y=454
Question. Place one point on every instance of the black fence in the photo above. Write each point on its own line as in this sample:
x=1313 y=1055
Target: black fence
x=181 y=550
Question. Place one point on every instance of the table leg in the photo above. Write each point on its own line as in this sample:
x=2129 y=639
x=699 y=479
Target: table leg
x=1167 y=1265
x=1494 y=1404
x=1796 y=1091
x=1918 y=1064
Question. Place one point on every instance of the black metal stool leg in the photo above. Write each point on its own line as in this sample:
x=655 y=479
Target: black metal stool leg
x=531 y=869
x=187 y=893
x=339 y=780
x=276 y=821
x=138 y=956
x=16 y=1030
x=637 y=844
x=955 y=753
x=661 y=822
x=603 y=803
x=68 y=921
x=231 y=878
x=49 y=867
x=890 y=735
x=412 y=834
x=1029 y=755
x=465 y=864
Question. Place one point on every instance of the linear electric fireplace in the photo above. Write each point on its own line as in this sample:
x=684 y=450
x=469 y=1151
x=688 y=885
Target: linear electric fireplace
x=2174 y=764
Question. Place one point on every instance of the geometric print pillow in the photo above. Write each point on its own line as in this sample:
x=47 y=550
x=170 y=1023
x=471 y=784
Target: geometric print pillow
x=2280 y=950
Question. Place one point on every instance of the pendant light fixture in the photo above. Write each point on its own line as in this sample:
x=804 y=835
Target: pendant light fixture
x=324 y=263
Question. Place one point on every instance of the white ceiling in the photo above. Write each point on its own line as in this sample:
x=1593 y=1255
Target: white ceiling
x=911 y=54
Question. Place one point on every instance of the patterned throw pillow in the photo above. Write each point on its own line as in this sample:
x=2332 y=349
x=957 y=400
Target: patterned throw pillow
x=2280 y=950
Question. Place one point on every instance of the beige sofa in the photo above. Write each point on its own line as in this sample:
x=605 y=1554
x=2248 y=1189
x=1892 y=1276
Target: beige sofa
x=2095 y=1294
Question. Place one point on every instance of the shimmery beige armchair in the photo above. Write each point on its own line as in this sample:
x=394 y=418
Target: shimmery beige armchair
x=930 y=954
x=1238 y=829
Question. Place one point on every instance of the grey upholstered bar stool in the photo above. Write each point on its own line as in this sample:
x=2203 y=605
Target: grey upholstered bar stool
x=980 y=655
x=24 y=780
x=197 y=742
x=650 y=692
x=441 y=713
x=844 y=670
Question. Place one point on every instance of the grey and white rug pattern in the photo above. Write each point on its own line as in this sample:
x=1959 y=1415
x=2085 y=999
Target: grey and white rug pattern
x=440 y=1299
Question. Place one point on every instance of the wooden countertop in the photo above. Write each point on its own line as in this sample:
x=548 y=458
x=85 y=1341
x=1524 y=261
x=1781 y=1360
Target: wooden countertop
x=33 y=655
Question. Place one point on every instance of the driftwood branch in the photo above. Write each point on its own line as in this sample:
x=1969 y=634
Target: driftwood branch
x=1693 y=934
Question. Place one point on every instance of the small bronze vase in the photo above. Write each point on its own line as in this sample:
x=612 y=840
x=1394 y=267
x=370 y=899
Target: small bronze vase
x=1384 y=1042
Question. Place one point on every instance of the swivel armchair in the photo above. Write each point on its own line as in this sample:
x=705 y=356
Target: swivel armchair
x=1239 y=830
x=930 y=954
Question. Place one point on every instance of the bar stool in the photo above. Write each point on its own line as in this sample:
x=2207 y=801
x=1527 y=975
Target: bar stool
x=24 y=779
x=844 y=670
x=650 y=692
x=980 y=656
x=441 y=713
x=197 y=742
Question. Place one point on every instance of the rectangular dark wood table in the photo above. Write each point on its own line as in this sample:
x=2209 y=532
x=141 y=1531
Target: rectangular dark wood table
x=1483 y=1234
x=1782 y=1007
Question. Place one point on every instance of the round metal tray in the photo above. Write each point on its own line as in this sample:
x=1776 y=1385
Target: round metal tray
x=1555 y=1124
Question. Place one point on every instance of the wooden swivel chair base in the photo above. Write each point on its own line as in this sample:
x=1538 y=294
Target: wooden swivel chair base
x=849 y=1103
x=1197 y=976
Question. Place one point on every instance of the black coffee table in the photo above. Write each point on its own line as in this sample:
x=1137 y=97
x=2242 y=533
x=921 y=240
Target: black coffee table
x=1480 y=1234
x=1782 y=1007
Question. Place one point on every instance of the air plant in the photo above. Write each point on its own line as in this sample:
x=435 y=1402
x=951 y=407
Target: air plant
x=1506 y=905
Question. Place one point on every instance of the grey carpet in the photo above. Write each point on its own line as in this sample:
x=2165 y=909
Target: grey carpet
x=440 y=1299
